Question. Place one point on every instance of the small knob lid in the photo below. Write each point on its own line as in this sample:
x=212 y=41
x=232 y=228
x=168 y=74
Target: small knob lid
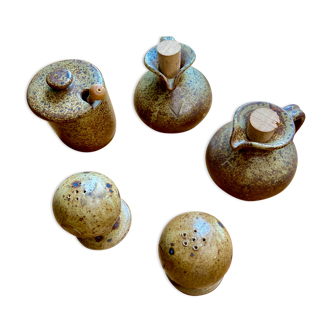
x=59 y=79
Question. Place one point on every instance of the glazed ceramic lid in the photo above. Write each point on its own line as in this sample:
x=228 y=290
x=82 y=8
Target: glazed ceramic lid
x=56 y=92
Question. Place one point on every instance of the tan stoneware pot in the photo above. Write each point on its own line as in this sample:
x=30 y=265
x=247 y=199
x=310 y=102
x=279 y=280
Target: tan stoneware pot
x=195 y=250
x=251 y=170
x=172 y=105
x=88 y=205
x=62 y=94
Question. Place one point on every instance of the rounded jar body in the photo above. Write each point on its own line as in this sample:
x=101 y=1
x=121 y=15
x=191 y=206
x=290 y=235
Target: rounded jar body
x=249 y=174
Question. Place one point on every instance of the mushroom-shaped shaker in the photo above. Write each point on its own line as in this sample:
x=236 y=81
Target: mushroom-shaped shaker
x=195 y=250
x=88 y=205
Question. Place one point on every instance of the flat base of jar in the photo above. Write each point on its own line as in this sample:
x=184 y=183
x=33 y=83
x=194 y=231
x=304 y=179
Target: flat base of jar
x=115 y=235
x=91 y=151
x=195 y=291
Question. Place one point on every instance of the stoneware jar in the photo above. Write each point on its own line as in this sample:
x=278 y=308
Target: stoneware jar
x=61 y=93
x=88 y=205
x=195 y=250
x=172 y=104
x=251 y=170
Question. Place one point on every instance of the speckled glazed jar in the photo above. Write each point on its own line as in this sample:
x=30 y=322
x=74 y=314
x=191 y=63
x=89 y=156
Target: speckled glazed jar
x=172 y=105
x=195 y=250
x=250 y=170
x=88 y=205
x=80 y=125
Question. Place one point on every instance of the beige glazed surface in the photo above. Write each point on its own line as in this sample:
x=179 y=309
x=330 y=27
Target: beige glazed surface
x=195 y=251
x=87 y=204
x=117 y=233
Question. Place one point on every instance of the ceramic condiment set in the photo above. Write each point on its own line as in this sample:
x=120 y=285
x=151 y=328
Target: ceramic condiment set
x=252 y=158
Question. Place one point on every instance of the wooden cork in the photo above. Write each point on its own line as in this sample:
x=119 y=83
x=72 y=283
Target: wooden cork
x=97 y=92
x=262 y=124
x=169 y=55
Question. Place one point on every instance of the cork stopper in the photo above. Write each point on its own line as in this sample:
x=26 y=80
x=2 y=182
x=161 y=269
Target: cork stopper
x=262 y=124
x=169 y=56
x=97 y=92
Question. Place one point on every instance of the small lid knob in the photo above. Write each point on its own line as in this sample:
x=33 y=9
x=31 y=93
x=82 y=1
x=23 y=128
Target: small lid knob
x=262 y=124
x=59 y=79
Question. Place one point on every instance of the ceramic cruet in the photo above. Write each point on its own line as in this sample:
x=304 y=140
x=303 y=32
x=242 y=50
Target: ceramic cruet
x=71 y=95
x=172 y=97
x=251 y=170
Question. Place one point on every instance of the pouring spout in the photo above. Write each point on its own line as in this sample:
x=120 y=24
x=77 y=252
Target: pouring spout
x=151 y=62
x=291 y=118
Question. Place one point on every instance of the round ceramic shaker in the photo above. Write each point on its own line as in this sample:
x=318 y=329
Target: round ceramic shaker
x=88 y=205
x=195 y=250
x=71 y=95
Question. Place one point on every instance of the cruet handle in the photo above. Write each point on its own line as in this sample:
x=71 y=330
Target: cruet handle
x=297 y=114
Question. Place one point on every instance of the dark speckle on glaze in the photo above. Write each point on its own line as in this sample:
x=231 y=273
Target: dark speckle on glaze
x=76 y=183
x=108 y=185
x=191 y=254
x=116 y=225
x=109 y=240
x=171 y=251
x=99 y=238
x=220 y=224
